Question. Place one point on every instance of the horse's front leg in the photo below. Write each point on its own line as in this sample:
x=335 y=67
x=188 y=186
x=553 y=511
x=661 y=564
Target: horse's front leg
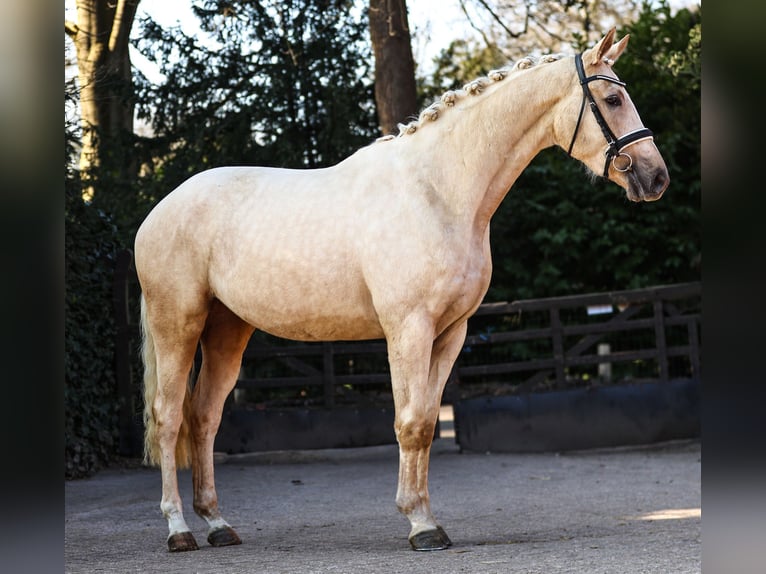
x=223 y=342
x=420 y=367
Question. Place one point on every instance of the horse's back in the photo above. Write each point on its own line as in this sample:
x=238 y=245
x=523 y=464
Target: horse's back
x=224 y=201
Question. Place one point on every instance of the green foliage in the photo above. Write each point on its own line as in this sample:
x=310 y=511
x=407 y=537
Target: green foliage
x=89 y=395
x=118 y=195
x=558 y=233
x=275 y=83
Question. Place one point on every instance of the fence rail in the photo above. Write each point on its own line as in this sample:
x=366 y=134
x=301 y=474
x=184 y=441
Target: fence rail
x=664 y=314
x=545 y=340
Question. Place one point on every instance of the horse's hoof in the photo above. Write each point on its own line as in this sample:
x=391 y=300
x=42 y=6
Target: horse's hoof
x=182 y=542
x=224 y=536
x=435 y=539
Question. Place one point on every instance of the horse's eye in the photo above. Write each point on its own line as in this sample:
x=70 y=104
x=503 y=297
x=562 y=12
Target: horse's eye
x=614 y=100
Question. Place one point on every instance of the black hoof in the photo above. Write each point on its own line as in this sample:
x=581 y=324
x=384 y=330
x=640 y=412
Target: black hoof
x=224 y=536
x=182 y=542
x=431 y=540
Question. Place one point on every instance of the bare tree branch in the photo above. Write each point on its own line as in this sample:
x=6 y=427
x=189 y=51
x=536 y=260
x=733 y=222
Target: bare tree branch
x=545 y=29
x=497 y=19
x=486 y=39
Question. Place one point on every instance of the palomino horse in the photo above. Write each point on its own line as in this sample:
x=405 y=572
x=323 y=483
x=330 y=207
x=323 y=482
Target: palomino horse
x=392 y=242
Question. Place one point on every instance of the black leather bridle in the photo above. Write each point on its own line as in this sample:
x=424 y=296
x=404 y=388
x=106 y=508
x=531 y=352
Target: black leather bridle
x=614 y=145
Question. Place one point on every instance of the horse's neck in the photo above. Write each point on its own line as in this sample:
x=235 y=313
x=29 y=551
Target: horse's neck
x=487 y=140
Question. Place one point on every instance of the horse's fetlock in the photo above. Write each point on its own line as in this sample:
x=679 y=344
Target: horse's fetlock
x=170 y=509
x=207 y=509
x=405 y=505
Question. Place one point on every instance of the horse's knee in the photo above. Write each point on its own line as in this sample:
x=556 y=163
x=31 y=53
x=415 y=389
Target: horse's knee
x=203 y=422
x=415 y=434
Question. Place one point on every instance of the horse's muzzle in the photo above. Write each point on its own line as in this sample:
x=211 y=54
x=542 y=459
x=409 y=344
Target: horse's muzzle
x=647 y=185
x=659 y=183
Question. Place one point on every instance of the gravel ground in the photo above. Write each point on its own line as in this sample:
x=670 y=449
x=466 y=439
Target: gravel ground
x=631 y=510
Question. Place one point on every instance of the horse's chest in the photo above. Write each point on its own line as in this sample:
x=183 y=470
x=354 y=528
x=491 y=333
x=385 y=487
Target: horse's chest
x=453 y=282
x=465 y=282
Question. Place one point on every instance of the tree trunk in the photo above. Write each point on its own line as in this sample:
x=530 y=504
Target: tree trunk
x=395 y=96
x=101 y=37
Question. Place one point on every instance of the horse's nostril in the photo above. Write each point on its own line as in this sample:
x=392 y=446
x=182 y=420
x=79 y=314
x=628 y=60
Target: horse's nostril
x=660 y=182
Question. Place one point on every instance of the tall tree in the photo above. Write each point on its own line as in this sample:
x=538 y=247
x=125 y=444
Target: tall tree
x=395 y=94
x=100 y=36
x=284 y=83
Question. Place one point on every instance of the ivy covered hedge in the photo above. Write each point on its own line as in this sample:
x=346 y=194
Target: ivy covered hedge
x=90 y=399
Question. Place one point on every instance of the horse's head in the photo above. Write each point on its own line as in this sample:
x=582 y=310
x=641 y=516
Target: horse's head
x=602 y=128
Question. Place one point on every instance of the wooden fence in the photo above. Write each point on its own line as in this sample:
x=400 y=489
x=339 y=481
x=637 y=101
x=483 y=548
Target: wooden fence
x=651 y=334
x=650 y=327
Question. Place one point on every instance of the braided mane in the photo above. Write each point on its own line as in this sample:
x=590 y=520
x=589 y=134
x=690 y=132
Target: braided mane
x=471 y=89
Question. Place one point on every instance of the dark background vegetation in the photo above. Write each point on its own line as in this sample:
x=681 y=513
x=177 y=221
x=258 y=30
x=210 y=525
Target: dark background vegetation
x=312 y=105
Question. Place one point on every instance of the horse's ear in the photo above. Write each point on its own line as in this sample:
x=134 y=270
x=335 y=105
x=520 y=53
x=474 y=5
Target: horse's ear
x=616 y=50
x=600 y=50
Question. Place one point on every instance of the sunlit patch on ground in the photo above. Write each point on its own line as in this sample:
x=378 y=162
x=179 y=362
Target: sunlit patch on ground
x=670 y=514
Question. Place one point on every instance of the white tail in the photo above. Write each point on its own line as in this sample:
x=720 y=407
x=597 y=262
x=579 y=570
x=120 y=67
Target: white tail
x=151 y=443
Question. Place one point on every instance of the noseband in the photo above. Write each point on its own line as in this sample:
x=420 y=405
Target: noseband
x=614 y=145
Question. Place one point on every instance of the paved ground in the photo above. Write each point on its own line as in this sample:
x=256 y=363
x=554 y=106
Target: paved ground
x=610 y=511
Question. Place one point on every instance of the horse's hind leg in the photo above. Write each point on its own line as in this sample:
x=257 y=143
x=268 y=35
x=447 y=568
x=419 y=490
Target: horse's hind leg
x=418 y=384
x=223 y=342
x=174 y=342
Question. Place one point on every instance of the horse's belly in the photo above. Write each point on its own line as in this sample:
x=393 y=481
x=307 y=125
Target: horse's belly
x=304 y=308
x=323 y=328
x=298 y=325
